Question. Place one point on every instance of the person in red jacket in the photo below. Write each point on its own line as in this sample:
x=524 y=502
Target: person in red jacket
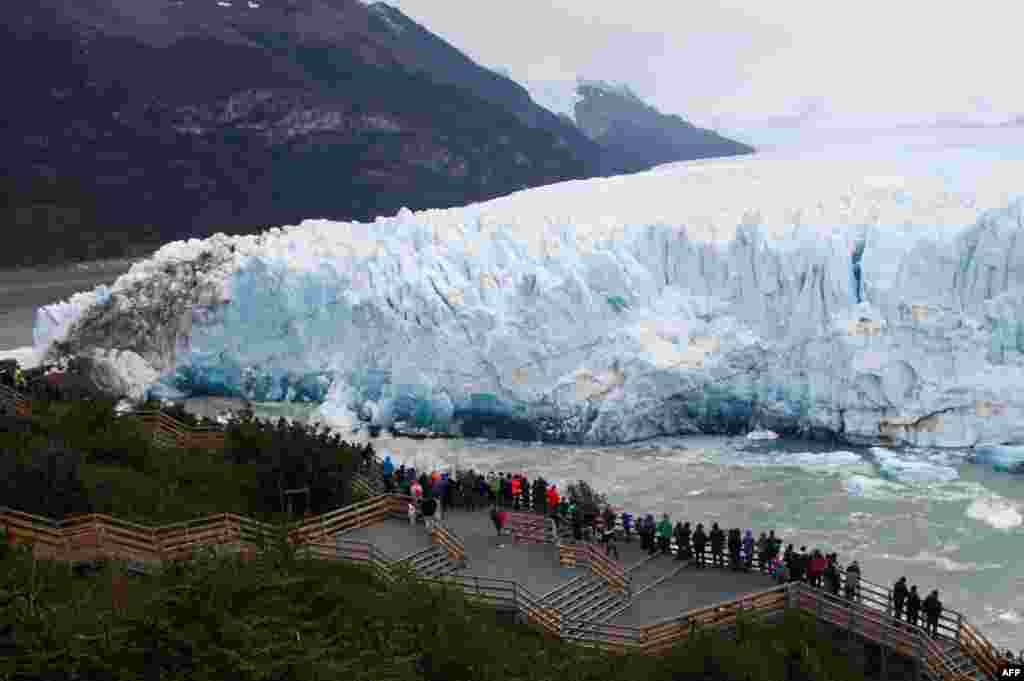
x=552 y=498
x=516 y=482
x=816 y=569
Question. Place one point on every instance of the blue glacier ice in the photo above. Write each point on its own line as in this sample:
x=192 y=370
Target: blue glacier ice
x=877 y=299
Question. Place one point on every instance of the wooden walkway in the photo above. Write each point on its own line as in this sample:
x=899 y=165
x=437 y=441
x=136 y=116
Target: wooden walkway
x=574 y=603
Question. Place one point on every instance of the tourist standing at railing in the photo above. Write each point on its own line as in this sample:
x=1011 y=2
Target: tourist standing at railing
x=734 y=540
x=610 y=545
x=439 y=490
x=494 y=488
x=899 y=597
x=831 y=575
x=627 y=526
x=429 y=509
x=516 y=484
x=410 y=510
x=816 y=570
x=577 y=524
x=913 y=606
x=678 y=534
x=552 y=498
x=527 y=494
x=932 y=607
x=748 y=550
x=717 y=540
x=700 y=540
x=763 y=557
x=683 y=546
x=389 y=468
x=417 y=490
x=597 y=525
x=853 y=581
x=664 y=533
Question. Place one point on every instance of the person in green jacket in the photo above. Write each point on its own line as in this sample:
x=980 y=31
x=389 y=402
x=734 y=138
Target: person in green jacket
x=496 y=489
x=664 y=533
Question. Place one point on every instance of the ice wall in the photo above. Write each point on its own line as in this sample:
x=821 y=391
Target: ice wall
x=702 y=296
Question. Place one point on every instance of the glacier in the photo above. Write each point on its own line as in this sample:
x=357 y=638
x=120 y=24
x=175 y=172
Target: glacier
x=877 y=300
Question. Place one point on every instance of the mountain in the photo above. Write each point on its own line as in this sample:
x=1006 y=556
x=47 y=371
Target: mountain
x=140 y=122
x=638 y=135
x=832 y=296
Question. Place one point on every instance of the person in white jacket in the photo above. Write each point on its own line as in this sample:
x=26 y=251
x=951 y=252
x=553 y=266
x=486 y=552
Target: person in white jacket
x=411 y=511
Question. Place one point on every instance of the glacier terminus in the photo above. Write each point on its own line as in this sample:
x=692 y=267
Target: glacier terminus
x=875 y=300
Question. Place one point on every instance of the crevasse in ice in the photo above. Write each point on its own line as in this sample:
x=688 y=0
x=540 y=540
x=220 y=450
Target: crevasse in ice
x=705 y=296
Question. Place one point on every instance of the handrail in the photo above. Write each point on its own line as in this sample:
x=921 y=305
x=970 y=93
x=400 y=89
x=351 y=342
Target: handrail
x=129 y=538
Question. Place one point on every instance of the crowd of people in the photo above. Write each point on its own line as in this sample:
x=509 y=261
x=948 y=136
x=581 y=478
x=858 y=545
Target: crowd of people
x=716 y=547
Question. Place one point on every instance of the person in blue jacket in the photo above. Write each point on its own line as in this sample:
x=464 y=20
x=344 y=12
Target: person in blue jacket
x=389 y=470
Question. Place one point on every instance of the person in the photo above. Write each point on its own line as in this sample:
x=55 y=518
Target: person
x=552 y=498
x=516 y=491
x=748 y=550
x=429 y=508
x=899 y=597
x=678 y=532
x=577 y=524
x=831 y=575
x=734 y=542
x=913 y=606
x=763 y=553
x=932 y=607
x=610 y=545
x=699 y=541
x=781 y=571
x=627 y=525
x=800 y=562
x=816 y=569
x=774 y=545
x=717 y=538
x=527 y=494
x=410 y=509
x=598 y=524
x=19 y=379
x=665 y=534
x=853 y=581
x=609 y=519
x=648 y=526
x=389 y=469
x=685 y=548
x=494 y=488
x=440 y=489
x=788 y=559
x=496 y=520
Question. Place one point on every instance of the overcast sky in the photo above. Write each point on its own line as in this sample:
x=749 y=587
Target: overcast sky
x=869 y=63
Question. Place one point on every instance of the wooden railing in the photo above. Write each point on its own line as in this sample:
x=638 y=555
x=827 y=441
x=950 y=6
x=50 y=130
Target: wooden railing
x=666 y=633
x=99 y=535
x=170 y=432
x=609 y=570
x=451 y=543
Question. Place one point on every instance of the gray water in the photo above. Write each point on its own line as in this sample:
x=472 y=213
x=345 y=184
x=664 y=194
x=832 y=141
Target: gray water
x=961 y=536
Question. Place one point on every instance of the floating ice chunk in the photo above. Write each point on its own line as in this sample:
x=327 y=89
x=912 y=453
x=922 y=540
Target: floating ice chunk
x=1001 y=457
x=872 y=488
x=762 y=435
x=904 y=469
x=996 y=511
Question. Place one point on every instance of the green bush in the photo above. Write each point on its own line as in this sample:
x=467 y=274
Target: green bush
x=281 y=616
